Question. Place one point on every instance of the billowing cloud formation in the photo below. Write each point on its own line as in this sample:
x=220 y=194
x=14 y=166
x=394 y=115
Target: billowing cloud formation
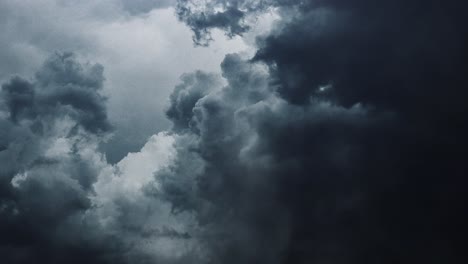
x=141 y=44
x=350 y=147
x=266 y=166
x=48 y=128
x=59 y=199
x=62 y=87
x=231 y=16
x=343 y=140
x=185 y=96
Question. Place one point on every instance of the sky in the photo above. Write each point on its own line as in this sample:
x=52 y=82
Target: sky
x=233 y=131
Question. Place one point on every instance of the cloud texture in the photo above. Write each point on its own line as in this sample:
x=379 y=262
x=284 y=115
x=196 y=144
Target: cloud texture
x=342 y=140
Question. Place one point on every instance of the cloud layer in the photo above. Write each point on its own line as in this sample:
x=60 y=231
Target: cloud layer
x=341 y=140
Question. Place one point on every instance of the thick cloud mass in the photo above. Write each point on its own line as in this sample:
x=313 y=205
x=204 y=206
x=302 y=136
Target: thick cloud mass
x=342 y=140
x=355 y=139
x=142 y=46
x=48 y=124
x=185 y=96
x=60 y=202
x=231 y=16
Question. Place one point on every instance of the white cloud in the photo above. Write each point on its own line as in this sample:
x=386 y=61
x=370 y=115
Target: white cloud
x=145 y=223
x=126 y=178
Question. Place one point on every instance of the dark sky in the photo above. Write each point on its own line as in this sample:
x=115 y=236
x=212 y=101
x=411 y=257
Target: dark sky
x=233 y=131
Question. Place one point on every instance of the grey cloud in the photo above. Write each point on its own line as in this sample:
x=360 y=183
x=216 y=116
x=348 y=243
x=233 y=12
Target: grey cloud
x=230 y=16
x=62 y=86
x=136 y=7
x=341 y=141
x=144 y=71
x=19 y=97
x=355 y=172
x=211 y=179
x=183 y=98
x=233 y=170
x=46 y=177
x=60 y=201
x=229 y=20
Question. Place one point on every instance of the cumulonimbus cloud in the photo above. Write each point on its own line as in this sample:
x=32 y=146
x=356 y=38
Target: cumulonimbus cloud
x=341 y=140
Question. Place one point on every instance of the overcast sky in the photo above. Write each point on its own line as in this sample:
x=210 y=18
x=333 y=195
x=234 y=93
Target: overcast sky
x=142 y=45
x=233 y=131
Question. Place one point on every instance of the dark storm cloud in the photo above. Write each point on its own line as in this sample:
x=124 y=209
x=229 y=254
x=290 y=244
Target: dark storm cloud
x=230 y=16
x=185 y=95
x=211 y=178
x=42 y=190
x=251 y=151
x=62 y=86
x=342 y=141
x=60 y=201
x=351 y=148
x=229 y=20
x=403 y=48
